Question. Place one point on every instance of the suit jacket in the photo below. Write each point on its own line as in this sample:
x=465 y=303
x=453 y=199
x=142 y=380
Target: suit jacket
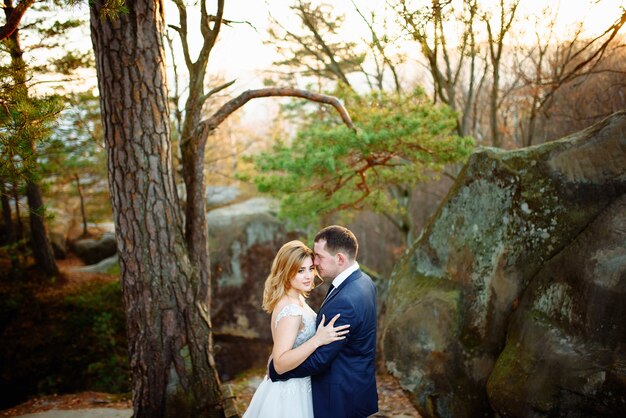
x=343 y=373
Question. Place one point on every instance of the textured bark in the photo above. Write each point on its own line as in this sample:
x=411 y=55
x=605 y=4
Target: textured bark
x=167 y=306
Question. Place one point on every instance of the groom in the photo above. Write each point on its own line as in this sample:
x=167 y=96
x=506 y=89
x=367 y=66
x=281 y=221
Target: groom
x=343 y=374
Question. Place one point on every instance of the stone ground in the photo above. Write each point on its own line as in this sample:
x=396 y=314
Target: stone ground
x=393 y=403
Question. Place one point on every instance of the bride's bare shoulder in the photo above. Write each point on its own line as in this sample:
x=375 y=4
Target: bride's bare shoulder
x=282 y=302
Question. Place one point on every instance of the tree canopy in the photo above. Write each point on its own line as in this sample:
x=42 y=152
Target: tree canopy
x=327 y=167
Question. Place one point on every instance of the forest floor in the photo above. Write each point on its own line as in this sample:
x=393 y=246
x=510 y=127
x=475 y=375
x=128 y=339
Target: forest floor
x=392 y=400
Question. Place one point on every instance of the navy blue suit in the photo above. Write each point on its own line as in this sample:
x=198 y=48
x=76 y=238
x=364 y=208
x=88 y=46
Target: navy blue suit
x=343 y=373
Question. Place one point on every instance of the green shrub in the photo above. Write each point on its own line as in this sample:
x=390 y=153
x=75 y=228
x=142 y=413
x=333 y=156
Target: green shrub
x=64 y=344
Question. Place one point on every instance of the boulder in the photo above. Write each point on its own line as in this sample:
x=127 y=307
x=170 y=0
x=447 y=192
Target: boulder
x=509 y=213
x=92 y=251
x=109 y=265
x=566 y=346
x=243 y=240
x=59 y=244
x=221 y=195
x=215 y=196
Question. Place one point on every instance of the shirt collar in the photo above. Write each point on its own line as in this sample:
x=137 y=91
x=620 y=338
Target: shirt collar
x=345 y=274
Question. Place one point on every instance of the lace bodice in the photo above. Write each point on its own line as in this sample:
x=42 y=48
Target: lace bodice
x=308 y=321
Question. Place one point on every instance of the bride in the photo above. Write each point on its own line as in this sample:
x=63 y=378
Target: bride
x=293 y=332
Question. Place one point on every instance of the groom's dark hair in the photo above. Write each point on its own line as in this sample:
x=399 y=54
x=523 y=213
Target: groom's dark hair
x=339 y=239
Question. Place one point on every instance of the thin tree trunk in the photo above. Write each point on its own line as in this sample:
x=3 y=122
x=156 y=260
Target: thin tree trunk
x=7 y=215
x=167 y=311
x=493 y=108
x=11 y=236
x=196 y=229
x=39 y=242
x=83 y=213
x=19 y=230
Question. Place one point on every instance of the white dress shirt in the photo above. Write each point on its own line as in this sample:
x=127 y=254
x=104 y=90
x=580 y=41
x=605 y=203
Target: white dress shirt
x=341 y=277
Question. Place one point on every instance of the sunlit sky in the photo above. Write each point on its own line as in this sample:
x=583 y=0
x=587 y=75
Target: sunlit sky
x=241 y=54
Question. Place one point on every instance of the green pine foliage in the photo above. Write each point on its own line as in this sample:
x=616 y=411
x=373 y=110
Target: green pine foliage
x=327 y=168
x=24 y=120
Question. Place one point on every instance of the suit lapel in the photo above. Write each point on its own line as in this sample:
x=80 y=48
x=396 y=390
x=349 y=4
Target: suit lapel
x=352 y=277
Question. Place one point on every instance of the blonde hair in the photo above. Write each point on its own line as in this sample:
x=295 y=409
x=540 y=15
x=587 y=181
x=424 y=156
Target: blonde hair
x=285 y=266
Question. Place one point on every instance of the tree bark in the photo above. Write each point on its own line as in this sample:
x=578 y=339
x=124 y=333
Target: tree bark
x=14 y=18
x=167 y=305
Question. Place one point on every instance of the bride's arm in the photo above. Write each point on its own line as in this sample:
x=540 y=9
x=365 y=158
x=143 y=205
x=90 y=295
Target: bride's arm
x=287 y=358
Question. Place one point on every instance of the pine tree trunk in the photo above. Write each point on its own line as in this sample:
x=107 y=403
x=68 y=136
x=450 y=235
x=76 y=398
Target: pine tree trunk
x=39 y=241
x=83 y=213
x=167 y=308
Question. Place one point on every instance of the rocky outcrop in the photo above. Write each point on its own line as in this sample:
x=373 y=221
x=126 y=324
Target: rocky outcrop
x=453 y=293
x=565 y=353
x=243 y=240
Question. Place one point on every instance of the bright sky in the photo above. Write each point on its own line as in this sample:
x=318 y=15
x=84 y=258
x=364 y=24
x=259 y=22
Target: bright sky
x=241 y=54
x=243 y=50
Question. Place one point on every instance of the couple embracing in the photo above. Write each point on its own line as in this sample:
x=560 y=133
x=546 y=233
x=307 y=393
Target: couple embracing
x=322 y=365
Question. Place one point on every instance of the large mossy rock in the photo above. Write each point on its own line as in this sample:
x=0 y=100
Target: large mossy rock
x=452 y=294
x=243 y=240
x=565 y=353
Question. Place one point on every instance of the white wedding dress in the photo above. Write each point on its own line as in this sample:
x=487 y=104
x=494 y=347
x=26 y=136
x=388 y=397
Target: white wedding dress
x=291 y=398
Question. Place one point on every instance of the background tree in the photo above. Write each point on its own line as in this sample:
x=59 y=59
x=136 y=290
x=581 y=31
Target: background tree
x=167 y=316
x=27 y=120
x=165 y=297
x=551 y=65
x=400 y=141
x=74 y=163
x=14 y=15
x=317 y=51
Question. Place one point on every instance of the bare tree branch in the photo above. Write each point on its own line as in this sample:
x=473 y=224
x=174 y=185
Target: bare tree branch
x=207 y=126
x=217 y=90
x=14 y=18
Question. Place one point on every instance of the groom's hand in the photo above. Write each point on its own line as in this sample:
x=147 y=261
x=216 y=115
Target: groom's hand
x=273 y=374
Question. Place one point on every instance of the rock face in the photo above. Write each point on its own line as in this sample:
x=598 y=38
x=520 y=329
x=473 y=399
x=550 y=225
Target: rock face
x=565 y=353
x=243 y=240
x=453 y=293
